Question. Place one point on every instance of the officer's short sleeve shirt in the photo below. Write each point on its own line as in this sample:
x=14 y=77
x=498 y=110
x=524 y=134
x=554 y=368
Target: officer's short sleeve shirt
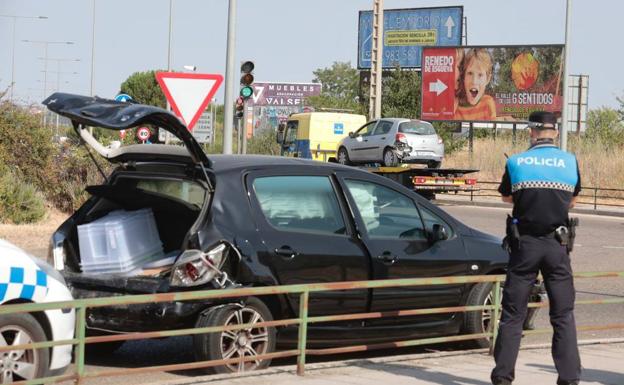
x=542 y=182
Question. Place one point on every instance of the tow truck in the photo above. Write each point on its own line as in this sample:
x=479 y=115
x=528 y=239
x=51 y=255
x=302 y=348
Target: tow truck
x=315 y=135
x=428 y=181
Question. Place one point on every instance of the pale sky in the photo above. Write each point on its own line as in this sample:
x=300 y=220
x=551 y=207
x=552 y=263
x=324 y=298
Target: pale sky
x=287 y=39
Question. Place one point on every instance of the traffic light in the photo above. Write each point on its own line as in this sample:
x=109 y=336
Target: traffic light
x=240 y=107
x=246 y=79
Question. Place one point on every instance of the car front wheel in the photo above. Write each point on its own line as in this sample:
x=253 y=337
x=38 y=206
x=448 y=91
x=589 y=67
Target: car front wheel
x=232 y=344
x=23 y=364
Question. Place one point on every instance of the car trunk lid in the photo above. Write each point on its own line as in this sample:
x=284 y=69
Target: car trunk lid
x=98 y=112
x=422 y=142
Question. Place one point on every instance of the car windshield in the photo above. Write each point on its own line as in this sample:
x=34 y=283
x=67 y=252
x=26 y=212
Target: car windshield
x=416 y=127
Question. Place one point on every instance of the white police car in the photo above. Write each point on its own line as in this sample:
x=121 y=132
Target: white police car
x=24 y=279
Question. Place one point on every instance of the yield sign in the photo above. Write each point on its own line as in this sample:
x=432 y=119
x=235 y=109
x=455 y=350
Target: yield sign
x=188 y=94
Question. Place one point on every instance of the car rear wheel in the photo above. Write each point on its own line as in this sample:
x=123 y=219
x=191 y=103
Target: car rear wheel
x=390 y=158
x=476 y=322
x=236 y=343
x=343 y=156
x=434 y=164
x=22 y=364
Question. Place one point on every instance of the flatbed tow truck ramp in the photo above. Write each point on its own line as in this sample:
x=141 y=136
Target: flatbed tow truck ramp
x=429 y=181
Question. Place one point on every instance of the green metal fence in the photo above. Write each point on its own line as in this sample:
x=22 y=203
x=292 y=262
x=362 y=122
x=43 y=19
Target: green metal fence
x=81 y=305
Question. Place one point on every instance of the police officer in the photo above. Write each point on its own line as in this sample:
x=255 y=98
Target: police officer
x=542 y=183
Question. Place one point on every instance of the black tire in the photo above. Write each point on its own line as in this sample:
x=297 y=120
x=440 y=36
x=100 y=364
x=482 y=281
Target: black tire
x=479 y=321
x=433 y=164
x=10 y=326
x=390 y=158
x=222 y=345
x=343 y=157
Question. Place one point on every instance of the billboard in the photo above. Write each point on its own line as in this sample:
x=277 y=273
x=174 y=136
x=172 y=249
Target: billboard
x=283 y=94
x=406 y=31
x=490 y=84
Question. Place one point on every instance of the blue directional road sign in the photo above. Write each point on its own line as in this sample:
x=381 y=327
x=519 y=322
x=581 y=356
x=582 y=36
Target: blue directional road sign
x=123 y=98
x=406 y=31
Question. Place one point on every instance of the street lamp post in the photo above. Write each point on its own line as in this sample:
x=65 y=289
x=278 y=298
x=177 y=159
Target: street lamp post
x=228 y=113
x=46 y=43
x=58 y=78
x=14 y=17
x=167 y=136
x=563 y=135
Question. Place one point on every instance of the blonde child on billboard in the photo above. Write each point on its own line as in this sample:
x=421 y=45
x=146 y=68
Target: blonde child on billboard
x=475 y=73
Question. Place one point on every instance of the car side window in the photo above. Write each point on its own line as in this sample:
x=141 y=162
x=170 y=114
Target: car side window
x=383 y=127
x=367 y=129
x=186 y=191
x=431 y=219
x=300 y=204
x=385 y=212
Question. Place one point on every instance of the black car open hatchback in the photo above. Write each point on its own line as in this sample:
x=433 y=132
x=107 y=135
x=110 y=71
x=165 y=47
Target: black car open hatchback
x=265 y=221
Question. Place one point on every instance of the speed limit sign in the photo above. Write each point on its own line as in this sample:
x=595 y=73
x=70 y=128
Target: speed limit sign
x=143 y=134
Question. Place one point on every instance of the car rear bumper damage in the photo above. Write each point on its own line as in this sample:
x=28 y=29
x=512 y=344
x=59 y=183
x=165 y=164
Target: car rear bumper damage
x=135 y=317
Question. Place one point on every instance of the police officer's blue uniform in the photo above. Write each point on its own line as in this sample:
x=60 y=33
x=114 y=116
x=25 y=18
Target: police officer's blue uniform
x=542 y=182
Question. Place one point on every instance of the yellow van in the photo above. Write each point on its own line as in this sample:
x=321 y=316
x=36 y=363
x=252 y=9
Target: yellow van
x=315 y=135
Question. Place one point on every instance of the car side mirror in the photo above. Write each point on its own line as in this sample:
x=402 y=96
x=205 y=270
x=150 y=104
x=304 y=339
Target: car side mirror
x=351 y=135
x=438 y=233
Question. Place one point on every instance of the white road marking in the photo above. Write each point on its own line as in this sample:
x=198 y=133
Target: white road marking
x=613 y=247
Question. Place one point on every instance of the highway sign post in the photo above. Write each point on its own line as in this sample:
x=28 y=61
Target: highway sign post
x=204 y=129
x=406 y=31
x=188 y=94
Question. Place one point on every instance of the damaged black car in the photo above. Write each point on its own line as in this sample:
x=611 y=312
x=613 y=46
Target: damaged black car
x=169 y=218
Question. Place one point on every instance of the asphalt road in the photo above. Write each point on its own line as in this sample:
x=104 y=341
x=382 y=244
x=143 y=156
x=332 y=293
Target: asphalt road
x=600 y=247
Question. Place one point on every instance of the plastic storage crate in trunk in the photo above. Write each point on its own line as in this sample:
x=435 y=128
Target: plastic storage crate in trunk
x=120 y=242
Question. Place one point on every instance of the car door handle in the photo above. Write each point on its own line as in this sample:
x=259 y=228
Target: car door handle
x=387 y=258
x=286 y=252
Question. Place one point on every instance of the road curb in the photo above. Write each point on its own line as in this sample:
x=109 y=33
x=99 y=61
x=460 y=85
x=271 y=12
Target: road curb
x=292 y=369
x=452 y=202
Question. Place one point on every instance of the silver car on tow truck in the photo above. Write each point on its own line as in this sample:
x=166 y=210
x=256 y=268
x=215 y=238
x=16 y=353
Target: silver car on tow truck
x=391 y=141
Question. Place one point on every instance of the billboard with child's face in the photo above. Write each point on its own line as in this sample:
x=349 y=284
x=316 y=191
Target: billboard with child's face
x=491 y=84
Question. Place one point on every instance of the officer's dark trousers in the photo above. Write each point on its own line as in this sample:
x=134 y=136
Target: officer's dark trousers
x=547 y=255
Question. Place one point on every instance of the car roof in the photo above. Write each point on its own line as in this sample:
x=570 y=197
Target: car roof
x=230 y=162
x=403 y=120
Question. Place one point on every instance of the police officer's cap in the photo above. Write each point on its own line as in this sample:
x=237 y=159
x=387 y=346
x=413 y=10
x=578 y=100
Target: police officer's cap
x=542 y=120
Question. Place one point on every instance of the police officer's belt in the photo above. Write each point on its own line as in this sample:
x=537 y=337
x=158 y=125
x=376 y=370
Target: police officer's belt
x=533 y=234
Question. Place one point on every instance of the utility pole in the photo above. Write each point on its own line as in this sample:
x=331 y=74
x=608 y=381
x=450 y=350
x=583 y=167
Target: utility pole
x=563 y=135
x=45 y=74
x=58 y=78
x=374 y=107
x=228 y=113
x=244 y=118
x=91 y=89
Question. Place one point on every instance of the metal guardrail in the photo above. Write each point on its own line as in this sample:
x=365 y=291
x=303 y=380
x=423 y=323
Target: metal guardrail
x=593 y=198
x=304 y=290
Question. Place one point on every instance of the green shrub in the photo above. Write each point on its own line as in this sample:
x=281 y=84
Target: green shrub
x=20 y=202
x=73 y=171
x=59 y=171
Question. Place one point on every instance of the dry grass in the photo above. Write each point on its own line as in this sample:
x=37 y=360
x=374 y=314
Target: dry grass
x=33 y=238
x=600 y=166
